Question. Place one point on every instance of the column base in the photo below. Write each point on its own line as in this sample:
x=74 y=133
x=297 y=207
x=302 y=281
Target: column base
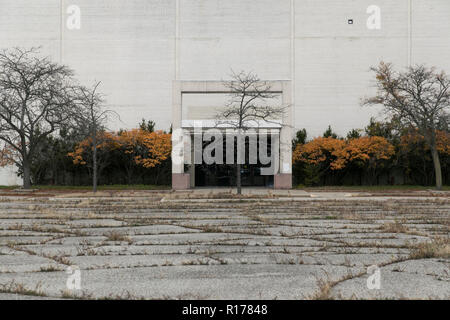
x=282 y=181
x=181 y=181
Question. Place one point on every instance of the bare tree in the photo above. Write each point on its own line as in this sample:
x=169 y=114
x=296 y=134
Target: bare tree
x=247 y=107
x=90 y=121
x=418 y=97
x=35 y=101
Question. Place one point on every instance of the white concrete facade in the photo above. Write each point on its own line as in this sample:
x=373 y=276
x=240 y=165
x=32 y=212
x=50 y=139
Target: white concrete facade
x=137 y=48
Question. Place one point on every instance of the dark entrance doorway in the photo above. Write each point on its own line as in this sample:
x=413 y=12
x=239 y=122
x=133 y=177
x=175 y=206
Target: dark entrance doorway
x=224 y=175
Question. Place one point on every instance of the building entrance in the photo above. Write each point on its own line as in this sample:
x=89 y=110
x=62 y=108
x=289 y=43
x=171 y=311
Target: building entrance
x=225 y=175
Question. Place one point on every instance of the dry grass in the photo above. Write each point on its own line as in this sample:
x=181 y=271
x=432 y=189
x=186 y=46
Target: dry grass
x=117 y=236
x=50 y=269
x=438 y=248
x=18 y=288
x=394 y=227
x=17 y=226
x=62 y=259
x=326 y=285
x=352 y=216
x=324 y=290
x=83 y=295
x=197 y=262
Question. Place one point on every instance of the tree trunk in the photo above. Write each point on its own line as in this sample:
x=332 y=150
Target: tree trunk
x=238 y=179
x=26 y=175
x=437 y=167
x=129 y=172
x=158 y=171
x=94 y=166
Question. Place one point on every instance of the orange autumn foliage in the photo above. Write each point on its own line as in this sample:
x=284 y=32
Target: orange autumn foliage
x=443 y=142
x=106 y=140
x=7 y=156
x=131 y=141
x=339 y=153
x=321 y=150
x=415 y=141
x=368 y=149
x=146 y=149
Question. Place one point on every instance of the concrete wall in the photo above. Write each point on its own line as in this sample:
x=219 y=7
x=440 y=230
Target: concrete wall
x=138 y=47
x=8 y=177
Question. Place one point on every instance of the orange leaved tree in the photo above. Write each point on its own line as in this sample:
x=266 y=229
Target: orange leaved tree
x=443 y=142
x=131 y=145
x=7 y=155
x=418 y=97
x=319 y=156
x=325 y=152
x=369 y=153
x=85 y=151
x=145 y=149
x=416 y=156
x=334 y=154
x=158 y=147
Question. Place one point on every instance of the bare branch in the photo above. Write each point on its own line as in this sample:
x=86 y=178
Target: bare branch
x=418 y=97
x=35 y=99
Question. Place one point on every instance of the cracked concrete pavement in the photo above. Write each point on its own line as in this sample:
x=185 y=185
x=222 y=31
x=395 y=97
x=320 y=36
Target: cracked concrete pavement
x=213 y=245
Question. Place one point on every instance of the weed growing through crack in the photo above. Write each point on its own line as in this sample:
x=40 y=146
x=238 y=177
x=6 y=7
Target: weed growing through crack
x=438 y=248
x=19 y=288
x=117 y=236
x=394 y=227
x=324 y=290
x=50 y=268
